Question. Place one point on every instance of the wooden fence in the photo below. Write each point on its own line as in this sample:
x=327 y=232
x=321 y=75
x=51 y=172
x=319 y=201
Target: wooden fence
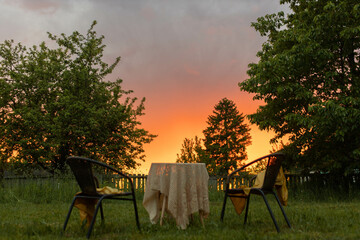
x=139 y=182
x=293 y=181
x=215 y=182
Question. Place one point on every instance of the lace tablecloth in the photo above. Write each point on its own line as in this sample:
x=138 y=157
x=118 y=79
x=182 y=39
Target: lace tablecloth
x=184 y=186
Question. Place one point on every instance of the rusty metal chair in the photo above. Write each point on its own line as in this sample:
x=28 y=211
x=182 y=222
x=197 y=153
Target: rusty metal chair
x=83 y=172
x=273 y=164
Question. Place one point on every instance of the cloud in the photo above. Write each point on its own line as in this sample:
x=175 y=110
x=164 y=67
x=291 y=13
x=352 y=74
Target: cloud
x=183 y=56
x=39 y=6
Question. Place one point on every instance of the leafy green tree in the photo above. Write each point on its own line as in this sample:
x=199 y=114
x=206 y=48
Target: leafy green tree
x=191 y=151
x=56 y=102
x=226 y=138
x=308 y=76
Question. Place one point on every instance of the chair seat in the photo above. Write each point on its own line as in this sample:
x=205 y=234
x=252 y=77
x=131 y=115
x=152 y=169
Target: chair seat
x=99 y=195
x=235 y=191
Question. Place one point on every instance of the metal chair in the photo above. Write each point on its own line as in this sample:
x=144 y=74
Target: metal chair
x=83 y=172
x=272 y=169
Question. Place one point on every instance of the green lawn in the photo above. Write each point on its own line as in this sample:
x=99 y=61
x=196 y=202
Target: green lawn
x=330 y=219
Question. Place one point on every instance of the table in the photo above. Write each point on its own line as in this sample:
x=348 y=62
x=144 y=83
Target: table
x=180 y=189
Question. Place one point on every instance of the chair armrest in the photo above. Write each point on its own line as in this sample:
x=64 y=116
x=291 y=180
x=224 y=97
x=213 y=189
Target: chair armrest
x=111 y=168
x=245 y=166
x=119 y=173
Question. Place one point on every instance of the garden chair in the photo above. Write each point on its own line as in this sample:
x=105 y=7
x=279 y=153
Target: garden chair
x=83 y=172
x=273 y=165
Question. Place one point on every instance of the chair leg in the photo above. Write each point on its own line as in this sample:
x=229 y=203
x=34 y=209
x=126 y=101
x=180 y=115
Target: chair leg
x=94 y=217
x=282 y=210
x=69 y=213
x=247 y=208
x=271 y=213
x=136 y=212
x=102 y=212
x=223 y=208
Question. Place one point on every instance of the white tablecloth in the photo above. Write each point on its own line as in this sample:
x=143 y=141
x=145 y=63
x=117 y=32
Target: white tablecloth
x=185 y=187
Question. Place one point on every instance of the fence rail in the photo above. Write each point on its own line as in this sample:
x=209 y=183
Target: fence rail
x=215 y=182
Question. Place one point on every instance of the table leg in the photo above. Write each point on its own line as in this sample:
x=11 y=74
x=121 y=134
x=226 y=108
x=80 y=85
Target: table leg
x=202 y=220
x=163 y=209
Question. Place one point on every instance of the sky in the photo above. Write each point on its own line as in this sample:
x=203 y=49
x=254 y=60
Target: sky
x=183 y=56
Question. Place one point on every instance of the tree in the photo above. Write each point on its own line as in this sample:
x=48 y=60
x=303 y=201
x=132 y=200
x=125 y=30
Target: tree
x=308 y=77
x=56 y=102
x=226 y=138
x=191 y=151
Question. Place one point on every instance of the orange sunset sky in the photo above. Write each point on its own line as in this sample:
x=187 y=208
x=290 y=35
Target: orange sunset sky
x=182 y=56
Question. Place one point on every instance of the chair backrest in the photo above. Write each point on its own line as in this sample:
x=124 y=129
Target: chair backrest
x=82 y=170
x=272 y=170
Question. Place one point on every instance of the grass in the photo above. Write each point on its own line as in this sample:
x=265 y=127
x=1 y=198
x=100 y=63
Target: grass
x=39 y=213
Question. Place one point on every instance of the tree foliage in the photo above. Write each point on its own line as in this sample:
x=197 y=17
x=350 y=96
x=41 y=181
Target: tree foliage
x=56 y=102
x=191 y=151
x=308 y=77
x=225 y=138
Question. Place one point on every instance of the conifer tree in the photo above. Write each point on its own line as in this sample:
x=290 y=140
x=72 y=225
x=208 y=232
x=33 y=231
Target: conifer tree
x=226 y=138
